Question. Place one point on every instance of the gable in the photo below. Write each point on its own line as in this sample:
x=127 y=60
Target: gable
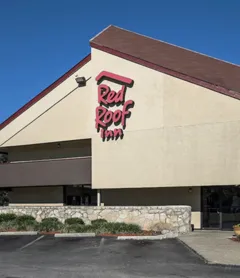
x=53 y=117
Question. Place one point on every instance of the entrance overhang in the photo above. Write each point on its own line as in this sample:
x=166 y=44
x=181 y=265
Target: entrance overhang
x=49 y=172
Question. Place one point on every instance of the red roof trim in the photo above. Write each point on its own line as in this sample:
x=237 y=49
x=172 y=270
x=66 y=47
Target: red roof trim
x=46 y=91
x=179 y=75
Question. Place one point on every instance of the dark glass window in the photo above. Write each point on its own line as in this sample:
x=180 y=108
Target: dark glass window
x=80 y=195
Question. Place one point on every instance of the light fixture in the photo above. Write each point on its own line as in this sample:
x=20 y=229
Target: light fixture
x=81 y=81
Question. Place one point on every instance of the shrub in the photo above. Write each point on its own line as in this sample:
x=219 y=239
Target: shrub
x=50 y=224
x=122 y=227
x=51 y=219
x=117 y=228
x=133 y=228
x=23 y=218
x=27 y=225
x=98 y=222
x=6 y=217
x=74 y=221
x=102 y=227
x=77 y=228
x=8 y=226
x=84 y=229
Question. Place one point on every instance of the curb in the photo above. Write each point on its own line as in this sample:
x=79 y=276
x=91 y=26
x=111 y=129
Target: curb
x=32 y=233
x=75 y=235
x=159 y=237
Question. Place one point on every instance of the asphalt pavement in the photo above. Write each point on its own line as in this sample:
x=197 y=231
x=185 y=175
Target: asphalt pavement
x=46 y=256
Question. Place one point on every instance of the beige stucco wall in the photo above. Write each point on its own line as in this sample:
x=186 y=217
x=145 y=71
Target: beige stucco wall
x=36 y=195
x=56 y=117
x=156 y=197
x=179 y=134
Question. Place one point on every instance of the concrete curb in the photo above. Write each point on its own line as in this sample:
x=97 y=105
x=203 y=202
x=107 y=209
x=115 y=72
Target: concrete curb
x=75 y=235
x=159 y=237
x=32 y=233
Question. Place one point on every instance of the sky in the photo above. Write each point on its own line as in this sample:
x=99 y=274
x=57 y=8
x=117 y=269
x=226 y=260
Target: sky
x=41 y=40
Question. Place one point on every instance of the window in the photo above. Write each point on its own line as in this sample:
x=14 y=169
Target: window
x=80 y=195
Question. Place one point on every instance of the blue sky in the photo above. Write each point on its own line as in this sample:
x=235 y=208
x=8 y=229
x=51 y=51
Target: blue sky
x=41 y=40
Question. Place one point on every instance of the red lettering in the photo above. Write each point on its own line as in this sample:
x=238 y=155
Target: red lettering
x=108 y=117
x=117 y=116
x=125 y=112
x=106 y=97
x=118 y=132
x=108 y=133
x=103 y=90
x=100 y=111
x=120 y=95
x=102 y=133
x=111 y=97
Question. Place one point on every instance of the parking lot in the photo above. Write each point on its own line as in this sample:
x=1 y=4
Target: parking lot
x=46 y=256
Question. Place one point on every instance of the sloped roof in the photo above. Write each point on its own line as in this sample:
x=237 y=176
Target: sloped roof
x=191 y=66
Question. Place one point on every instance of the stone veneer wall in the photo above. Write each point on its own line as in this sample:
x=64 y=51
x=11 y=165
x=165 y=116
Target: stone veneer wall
x=146 y=216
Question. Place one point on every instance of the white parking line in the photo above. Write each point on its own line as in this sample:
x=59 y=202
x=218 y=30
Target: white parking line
x=101 y=244
x=32 y=242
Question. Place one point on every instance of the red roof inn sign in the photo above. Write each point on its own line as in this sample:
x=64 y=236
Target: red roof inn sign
x=107 y=122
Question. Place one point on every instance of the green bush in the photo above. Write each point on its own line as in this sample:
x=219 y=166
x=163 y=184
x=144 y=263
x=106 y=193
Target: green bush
x=50 y=224
x=20 y=223
x=74 y=221
x=98 y=222
x=27 y=225
x=110 y=227
x=6 y=226
x=23 y=218
x=51 y=219
x=6 y=217
x=77 y=228
x=119 y=227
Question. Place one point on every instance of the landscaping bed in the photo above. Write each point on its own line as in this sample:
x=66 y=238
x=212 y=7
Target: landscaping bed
x=76 y=227
x=51 y=225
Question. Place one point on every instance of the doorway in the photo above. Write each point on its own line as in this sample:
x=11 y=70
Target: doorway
x=80 y=195
x=220 y=207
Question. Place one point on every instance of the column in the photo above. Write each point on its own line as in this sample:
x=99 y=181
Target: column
x=98 y=197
